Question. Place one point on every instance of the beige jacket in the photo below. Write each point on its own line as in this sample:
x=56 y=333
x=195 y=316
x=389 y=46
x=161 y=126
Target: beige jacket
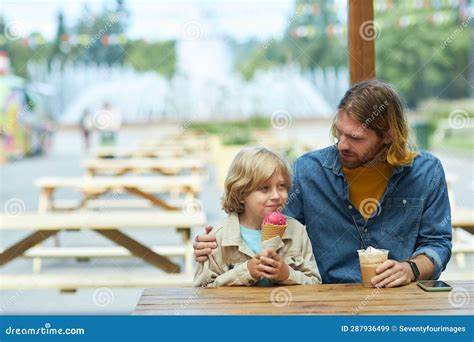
x=227 y=265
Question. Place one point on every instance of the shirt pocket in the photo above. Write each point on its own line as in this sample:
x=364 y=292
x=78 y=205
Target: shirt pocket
x=401 y=218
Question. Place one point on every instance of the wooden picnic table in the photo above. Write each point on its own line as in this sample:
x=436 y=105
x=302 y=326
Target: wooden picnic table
x=145 y=187
x=116 y=152
x=172 y=139
x=462 y=217
x=176 y=148
x=165 y=166
x=328 y=299
x=190 y=145
x=107 y=224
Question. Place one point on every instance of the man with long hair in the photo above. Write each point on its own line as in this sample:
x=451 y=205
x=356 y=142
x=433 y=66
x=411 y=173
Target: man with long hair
x=372 y=188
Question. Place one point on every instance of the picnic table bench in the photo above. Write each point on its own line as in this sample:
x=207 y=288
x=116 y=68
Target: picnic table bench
x=109 y=225
x=165 y=166
x=145 y=187
x=327 y=299
x=72 y=282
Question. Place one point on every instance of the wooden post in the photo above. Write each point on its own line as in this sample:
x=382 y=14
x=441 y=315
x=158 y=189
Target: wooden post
x=45 y=204
x=362 y=33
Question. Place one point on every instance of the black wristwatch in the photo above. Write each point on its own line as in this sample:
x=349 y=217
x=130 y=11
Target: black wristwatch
x=414 y=268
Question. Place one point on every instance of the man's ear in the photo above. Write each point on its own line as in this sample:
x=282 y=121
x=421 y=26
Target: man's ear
x=387 y=138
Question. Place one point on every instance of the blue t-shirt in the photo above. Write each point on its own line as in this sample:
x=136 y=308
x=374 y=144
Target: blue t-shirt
x=253 y=238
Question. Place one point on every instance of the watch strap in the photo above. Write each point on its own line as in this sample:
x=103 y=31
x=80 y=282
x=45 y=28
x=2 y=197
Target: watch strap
x=414 y=268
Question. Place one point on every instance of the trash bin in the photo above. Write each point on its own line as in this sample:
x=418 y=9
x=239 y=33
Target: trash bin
x=107 y=139
x=423 y=132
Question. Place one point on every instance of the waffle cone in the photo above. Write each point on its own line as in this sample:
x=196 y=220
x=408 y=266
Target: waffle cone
x=270 y=230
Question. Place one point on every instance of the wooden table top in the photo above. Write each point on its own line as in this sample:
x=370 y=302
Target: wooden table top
x=152 y=183
x=145 y=163
x=329 y=299
x=102 y=220
x=464 y=218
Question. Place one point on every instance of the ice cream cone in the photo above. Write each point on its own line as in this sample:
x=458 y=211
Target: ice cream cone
x=271 y=230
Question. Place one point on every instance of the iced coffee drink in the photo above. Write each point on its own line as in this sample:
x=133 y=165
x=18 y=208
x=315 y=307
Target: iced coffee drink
x=370 y=259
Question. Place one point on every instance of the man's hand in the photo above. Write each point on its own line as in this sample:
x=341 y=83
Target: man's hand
x=253 y=265
x=393 y=273
x=204 y=245
x=273 y=267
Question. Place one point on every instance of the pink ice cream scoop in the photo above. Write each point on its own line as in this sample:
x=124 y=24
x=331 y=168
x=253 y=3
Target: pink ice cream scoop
x=275 y=218
x=274 y=224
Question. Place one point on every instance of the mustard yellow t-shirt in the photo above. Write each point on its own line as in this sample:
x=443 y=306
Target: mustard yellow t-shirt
x=367 y=185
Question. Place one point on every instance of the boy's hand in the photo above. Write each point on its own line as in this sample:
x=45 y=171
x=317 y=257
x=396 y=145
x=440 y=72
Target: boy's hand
x=252 y=265
x=273 y=267
x=204 y=245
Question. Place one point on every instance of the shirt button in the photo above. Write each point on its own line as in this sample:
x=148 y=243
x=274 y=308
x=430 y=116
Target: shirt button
x=365 y=230
x=350 y=207
x=404 y=201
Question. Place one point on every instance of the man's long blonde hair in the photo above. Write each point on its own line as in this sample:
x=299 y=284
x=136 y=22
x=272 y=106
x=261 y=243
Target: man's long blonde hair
x=379 y=108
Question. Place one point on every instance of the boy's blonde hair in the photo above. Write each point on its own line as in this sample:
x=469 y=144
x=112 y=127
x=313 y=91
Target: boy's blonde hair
x=249 y=170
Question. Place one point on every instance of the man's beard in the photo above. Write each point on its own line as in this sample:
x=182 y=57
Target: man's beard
x=368 y=159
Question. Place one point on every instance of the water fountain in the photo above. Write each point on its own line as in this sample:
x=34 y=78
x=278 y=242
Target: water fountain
x=204 y=86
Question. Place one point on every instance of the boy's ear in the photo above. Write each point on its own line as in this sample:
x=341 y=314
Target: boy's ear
x=242 y=201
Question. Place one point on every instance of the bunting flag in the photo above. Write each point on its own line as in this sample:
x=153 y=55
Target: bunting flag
x=411 y=5
x=86 y=39
x=444 y=14
x=339 y=29
x=72 y=40
x=384 y=6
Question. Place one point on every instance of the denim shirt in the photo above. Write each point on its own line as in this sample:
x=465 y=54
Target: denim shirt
x=413 y=216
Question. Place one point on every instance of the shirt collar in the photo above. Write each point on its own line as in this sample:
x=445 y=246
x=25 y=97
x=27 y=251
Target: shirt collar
x=332 y=161
x=231 y=231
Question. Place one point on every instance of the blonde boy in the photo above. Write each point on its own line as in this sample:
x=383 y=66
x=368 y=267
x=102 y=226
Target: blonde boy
x=257 y=183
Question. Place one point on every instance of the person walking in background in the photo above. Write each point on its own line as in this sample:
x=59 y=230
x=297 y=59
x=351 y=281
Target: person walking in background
x=86 y=126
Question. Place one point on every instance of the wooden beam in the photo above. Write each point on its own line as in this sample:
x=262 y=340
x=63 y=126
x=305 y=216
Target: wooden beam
x=362 y=34
x=153 y=199
x=23 y=245
x=140 y=250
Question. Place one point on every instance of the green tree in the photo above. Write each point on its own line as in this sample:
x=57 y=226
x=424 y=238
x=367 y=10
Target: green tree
x=159 y=57
x=315 y=48
x=320 y=49
x=111 y=21
x=416 y=58
x=21 y=51
x=262 y=56
x=56 y=52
